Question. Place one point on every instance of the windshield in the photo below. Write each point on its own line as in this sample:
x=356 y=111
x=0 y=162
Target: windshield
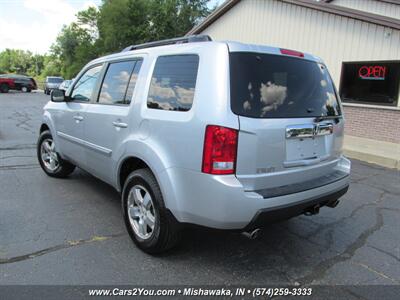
x=55 y=80
x=275 y=86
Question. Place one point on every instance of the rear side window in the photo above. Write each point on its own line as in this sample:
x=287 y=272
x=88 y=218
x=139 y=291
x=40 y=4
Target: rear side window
x=119 y=82
x=275 y=86
x=173 y=82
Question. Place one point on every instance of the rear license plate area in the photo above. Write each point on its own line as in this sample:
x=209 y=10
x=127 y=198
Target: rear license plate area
x=305 y=148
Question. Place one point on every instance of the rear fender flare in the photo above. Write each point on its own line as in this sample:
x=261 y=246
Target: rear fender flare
x=151 y=154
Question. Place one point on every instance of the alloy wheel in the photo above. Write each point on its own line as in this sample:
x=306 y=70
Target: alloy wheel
x=141 y=212
x=49 y=155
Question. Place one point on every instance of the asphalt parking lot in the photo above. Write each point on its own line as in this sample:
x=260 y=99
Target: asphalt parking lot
x=70 y=231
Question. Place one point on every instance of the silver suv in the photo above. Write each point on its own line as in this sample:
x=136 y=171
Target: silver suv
x=190 y=131
x=52 y=83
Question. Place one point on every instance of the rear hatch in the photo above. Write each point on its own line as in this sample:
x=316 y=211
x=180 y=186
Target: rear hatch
x=291 y=127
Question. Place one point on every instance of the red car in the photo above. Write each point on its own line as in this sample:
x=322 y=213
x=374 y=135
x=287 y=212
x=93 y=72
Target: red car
x=17 y=82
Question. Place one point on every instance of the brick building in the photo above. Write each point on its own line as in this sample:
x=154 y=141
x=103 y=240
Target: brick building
x=359 y=40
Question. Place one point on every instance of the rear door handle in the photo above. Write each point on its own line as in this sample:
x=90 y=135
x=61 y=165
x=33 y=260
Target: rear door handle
x=120 y=124
x=78 y=118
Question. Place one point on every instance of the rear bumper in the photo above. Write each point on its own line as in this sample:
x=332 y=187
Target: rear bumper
x=274 y=214
x=221 y=201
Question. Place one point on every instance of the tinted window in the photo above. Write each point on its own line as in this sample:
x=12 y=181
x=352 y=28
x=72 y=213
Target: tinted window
x=55 y=80
x=115 y=82
x=132 y=82
x=173 y=82
x=370 y=82
x=275 y=86
x=84 y=87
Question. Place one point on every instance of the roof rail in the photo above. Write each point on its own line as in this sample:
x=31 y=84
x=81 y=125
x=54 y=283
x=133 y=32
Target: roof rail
x=179 y=40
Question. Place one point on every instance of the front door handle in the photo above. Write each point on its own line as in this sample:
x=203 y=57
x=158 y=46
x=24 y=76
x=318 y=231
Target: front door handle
x=78 y=118
x=120 y=124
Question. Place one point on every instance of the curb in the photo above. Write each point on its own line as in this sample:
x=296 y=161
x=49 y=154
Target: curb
x=373 y=158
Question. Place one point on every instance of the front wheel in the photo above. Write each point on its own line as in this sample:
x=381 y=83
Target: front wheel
x=51 y=163
x=150 y=224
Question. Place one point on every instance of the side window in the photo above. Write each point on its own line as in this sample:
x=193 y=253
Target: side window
x=115 y=84
x=84 y=87
x=173 y=82
x=132 y=82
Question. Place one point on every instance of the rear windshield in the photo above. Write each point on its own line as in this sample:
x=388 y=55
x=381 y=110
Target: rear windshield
x=275 y=86
x=55 y=80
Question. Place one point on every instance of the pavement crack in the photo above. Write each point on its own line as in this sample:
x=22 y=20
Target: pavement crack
x=18 y=147
x=381 y=188
x=386 y=253
x=331 y=226
x=370 y=269
x=24 y=166
x=17 y=156
x=352 y=293
x=66 y=245
x=22 y=120
x=358 y=180
x=320 y=269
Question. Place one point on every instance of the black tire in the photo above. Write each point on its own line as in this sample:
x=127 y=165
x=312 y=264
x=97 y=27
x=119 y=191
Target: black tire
x=4 y=88
x=167 y=231
x=63 y=168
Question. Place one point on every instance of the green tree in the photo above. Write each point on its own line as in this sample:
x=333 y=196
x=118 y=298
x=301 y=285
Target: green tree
x=125 y=22
x=87 y=19
x=122 y=23
x=173 y=18
x=74 y=48
x=119 y=23
x=112 y=27
x=21 y=62
x=52 y=67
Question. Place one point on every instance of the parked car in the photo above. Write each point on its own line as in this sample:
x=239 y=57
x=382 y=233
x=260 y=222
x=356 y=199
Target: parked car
x=16 y=82
x=65 y=85
x=52 y=83
x=190 y=131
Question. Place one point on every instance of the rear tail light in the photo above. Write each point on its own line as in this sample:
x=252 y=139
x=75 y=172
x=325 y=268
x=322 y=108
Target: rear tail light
x=220 y=148
x=292 y=52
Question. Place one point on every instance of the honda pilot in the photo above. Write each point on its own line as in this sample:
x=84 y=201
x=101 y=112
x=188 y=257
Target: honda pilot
x=223 y=135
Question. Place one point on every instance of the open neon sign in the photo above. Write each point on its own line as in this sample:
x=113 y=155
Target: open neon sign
x=372 y=72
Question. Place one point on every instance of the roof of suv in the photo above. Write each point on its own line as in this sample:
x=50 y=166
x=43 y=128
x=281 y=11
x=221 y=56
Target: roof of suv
x=233 y=47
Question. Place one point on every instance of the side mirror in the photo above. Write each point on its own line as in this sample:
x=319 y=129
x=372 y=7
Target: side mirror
x=57 y=95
